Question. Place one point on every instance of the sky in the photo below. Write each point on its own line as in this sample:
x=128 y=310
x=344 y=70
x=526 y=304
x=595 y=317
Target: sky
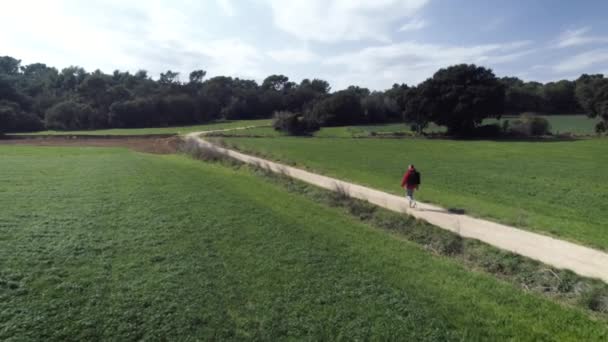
x=373 y=43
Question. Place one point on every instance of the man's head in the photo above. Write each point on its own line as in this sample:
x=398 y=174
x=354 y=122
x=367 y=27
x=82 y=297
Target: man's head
x=411 y=167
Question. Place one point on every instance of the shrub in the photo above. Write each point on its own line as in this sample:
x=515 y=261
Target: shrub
x=8 y=115
x=293 y=123
x=27 y=122
x=69 y=115
x=596 y=299
x=202 y=152
x=488 y=131
x=531 y=125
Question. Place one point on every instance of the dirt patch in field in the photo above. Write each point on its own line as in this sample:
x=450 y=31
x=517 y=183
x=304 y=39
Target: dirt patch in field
x=152 y=144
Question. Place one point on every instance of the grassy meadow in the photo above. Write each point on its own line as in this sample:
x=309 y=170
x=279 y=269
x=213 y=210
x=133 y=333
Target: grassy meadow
x=573 y=124
x=556 y=188
x=391 y=129
x=100 y=243
x=576 y=124
x=161 y=130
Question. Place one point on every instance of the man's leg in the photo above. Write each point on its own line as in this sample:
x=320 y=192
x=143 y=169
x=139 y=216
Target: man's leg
x=410 y=196
x=414 y=203
x=412 y=200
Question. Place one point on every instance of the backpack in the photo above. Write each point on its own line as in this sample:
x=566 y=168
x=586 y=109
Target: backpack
x=414 y=178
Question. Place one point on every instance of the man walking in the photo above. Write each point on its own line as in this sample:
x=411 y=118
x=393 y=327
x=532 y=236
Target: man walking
x=411 y=182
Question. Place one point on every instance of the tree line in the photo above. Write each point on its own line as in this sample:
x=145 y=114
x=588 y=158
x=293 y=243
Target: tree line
x=36 y=96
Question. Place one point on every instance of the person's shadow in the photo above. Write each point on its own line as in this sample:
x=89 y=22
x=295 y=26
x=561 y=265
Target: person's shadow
x=454 y=211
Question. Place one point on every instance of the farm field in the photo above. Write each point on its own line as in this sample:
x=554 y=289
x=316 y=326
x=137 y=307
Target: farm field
x=160 y=130
x=338 y=132
x=551 y=187
x=106 y=243
x=575 y=124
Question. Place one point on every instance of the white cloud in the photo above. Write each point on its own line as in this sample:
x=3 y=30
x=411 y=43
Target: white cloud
x=341 y=20
x=232 y=57
x=413 y=25
x=152 y=35
x=583 y=61
x=413 y=62
x=293 y=56
x=570 y=38
x=343 y=41
x=227 y=7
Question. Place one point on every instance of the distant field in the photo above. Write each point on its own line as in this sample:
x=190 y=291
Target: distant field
x=109 y=244
x=363 y=131
x=576 y=124
x=340 y=132
x=160 y=130
x=552 y=187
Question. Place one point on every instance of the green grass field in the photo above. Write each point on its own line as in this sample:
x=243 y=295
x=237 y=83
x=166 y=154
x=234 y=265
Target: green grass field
x=552 y=187
x=574 y=124
x=160 y=130
x=393 y=129
x=362 y=131
x=116 y=245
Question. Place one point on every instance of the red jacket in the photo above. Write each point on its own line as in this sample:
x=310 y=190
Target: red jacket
x=404 y=180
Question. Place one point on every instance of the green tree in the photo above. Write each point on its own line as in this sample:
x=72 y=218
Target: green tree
x=375 y=108
x=94 y=89
x=293 y=123
x=276 y=82
x=462 y=96
x=197 y=76
x=361 y=92
x=179 y=109
x=320 y=86
x=169 y=78
x=559 y=98
x=9 y=65
x=341 y=108
x=419 y=106
x=139 y=112
x=70 y=78
x=592 y=94
x=8 y=116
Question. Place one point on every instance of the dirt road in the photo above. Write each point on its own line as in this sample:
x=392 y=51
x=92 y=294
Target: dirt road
x=558 y=253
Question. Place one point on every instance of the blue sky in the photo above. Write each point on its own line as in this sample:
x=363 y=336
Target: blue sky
x=367 y=43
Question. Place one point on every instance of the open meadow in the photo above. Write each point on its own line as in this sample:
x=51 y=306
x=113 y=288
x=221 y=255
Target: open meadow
x=219 y=125
x=552 y=187
x=560 y=124
x=575 y=124
x=107 y=243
